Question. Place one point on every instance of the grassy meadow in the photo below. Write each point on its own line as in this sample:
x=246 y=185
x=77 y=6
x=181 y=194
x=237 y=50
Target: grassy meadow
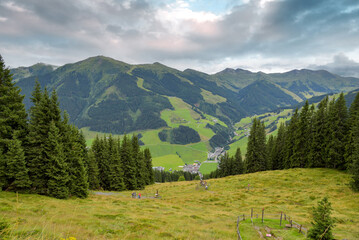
x=186 y=211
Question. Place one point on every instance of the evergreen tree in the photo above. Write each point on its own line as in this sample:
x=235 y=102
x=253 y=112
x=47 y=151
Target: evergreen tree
x=352 y=120
x=302 y=139
x=323 y=223
x=270 y=152
x=148 y=162
x=116 y=172
x=57 y=170
x=353 y=165
x=238 y=162
x=17 y=173
x=224 y=165
x=290 y=159
x=129 y=167
x=337 y=134
x=3 y=177
x=78 y=183
x=279 y=151
x=137 y=157
x=13 y=116
x=317 y=154
x=93 y=172
x=256 y=150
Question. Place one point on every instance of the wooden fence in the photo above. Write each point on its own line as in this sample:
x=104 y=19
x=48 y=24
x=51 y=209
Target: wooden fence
x=280 y=216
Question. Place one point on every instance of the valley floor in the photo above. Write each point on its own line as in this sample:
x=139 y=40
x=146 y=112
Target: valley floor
x=184 y=210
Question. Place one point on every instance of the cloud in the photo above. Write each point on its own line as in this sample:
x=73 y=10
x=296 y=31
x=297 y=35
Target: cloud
x=253 y=33
x=341 y=65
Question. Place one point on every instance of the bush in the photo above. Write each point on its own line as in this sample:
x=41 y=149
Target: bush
x=181 y=178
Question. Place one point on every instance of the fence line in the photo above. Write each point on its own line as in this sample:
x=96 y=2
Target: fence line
x=239 y=234
x=279 y=216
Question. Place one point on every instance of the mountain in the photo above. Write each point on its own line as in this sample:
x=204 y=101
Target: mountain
x=107 y=95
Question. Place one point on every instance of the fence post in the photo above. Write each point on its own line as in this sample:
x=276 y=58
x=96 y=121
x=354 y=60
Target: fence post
x=300 y=228
x=252 y=213
x=262 y=214
x=285 y=217
x=257 y=215
x=291 y=223
x=244 y=217
x=281 y=213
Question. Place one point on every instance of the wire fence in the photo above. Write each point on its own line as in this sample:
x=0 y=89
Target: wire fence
x=282 y=217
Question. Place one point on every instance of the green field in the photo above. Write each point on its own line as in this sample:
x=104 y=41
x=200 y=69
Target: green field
x=184 y=115
x=185 y=211
x=168 y=161
x=208 y=167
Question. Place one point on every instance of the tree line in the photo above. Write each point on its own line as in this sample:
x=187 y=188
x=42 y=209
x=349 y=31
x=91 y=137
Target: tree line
x=165 y=176
x=40 y=152
x=325 y=136
x=117 y=165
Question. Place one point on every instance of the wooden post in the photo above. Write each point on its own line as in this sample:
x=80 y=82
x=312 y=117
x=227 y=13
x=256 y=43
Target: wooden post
x=262 y=214
x=300 y=228
x=291 y=223
x=257 y=215
x=285 y=217
x=252 y=213
x=244 y=217
x=280 y=224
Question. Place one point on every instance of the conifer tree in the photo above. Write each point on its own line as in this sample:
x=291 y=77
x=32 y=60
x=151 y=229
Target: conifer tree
x=292 y=136
x=3 y=178
x=137 y=157
x=93 y=172
x=56 y=168
x=256 y=150
x=337 y=134
x=302 y=139
x=270 y=152
x=116 y=172
x=317 y=154
x=238 y=162
x=148 y=162
x=17 y=173
x=279 y=151
x=129 y=167
x=322 y=223
x=352 y=120
x=224 y=166
x=78 y=181
x=13 y=116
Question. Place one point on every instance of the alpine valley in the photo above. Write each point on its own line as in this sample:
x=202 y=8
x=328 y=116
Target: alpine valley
x=180 y=115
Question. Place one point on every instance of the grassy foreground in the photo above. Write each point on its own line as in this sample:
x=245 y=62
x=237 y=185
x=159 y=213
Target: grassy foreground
x=185 y=211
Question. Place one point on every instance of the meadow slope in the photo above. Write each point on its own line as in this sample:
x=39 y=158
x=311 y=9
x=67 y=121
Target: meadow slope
x=184 y=210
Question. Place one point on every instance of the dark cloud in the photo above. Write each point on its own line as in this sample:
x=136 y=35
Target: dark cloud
x=142 y=30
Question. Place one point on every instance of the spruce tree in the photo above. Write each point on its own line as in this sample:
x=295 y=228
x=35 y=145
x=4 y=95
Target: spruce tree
x=13 y=116
x=224 y=166
x=116 y=172
x=270 y=152
x=256 y=150
x=78 y=183
x=17 y=172
x=353 y=165
x=129 y=167
x=322 y=223
x=3 y=177
x=238 y=162
x=337 y=134
x=317 y=154
x=93 y=172
x=137 y=157
x=290 y=159
x=279 y=151
x=352 y=120
x=148 y=160
x=56 y=168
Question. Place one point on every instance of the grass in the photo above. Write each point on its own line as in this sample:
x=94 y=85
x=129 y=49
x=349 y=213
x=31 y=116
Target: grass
x=208 y=167
x=185 y=211
x=168 y=161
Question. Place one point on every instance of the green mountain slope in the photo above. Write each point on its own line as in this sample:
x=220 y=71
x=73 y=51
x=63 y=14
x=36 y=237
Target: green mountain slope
x=105 y=95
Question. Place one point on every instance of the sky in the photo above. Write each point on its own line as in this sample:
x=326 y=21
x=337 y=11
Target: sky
x=206 y=35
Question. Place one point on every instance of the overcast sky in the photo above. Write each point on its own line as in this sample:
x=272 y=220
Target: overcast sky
x=207 y=35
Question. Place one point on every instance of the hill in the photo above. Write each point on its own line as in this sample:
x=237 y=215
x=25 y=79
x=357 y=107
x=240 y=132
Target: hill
x=185 y=211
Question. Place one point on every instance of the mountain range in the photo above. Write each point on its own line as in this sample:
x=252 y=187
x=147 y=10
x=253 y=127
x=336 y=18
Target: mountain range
x=111 y=96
